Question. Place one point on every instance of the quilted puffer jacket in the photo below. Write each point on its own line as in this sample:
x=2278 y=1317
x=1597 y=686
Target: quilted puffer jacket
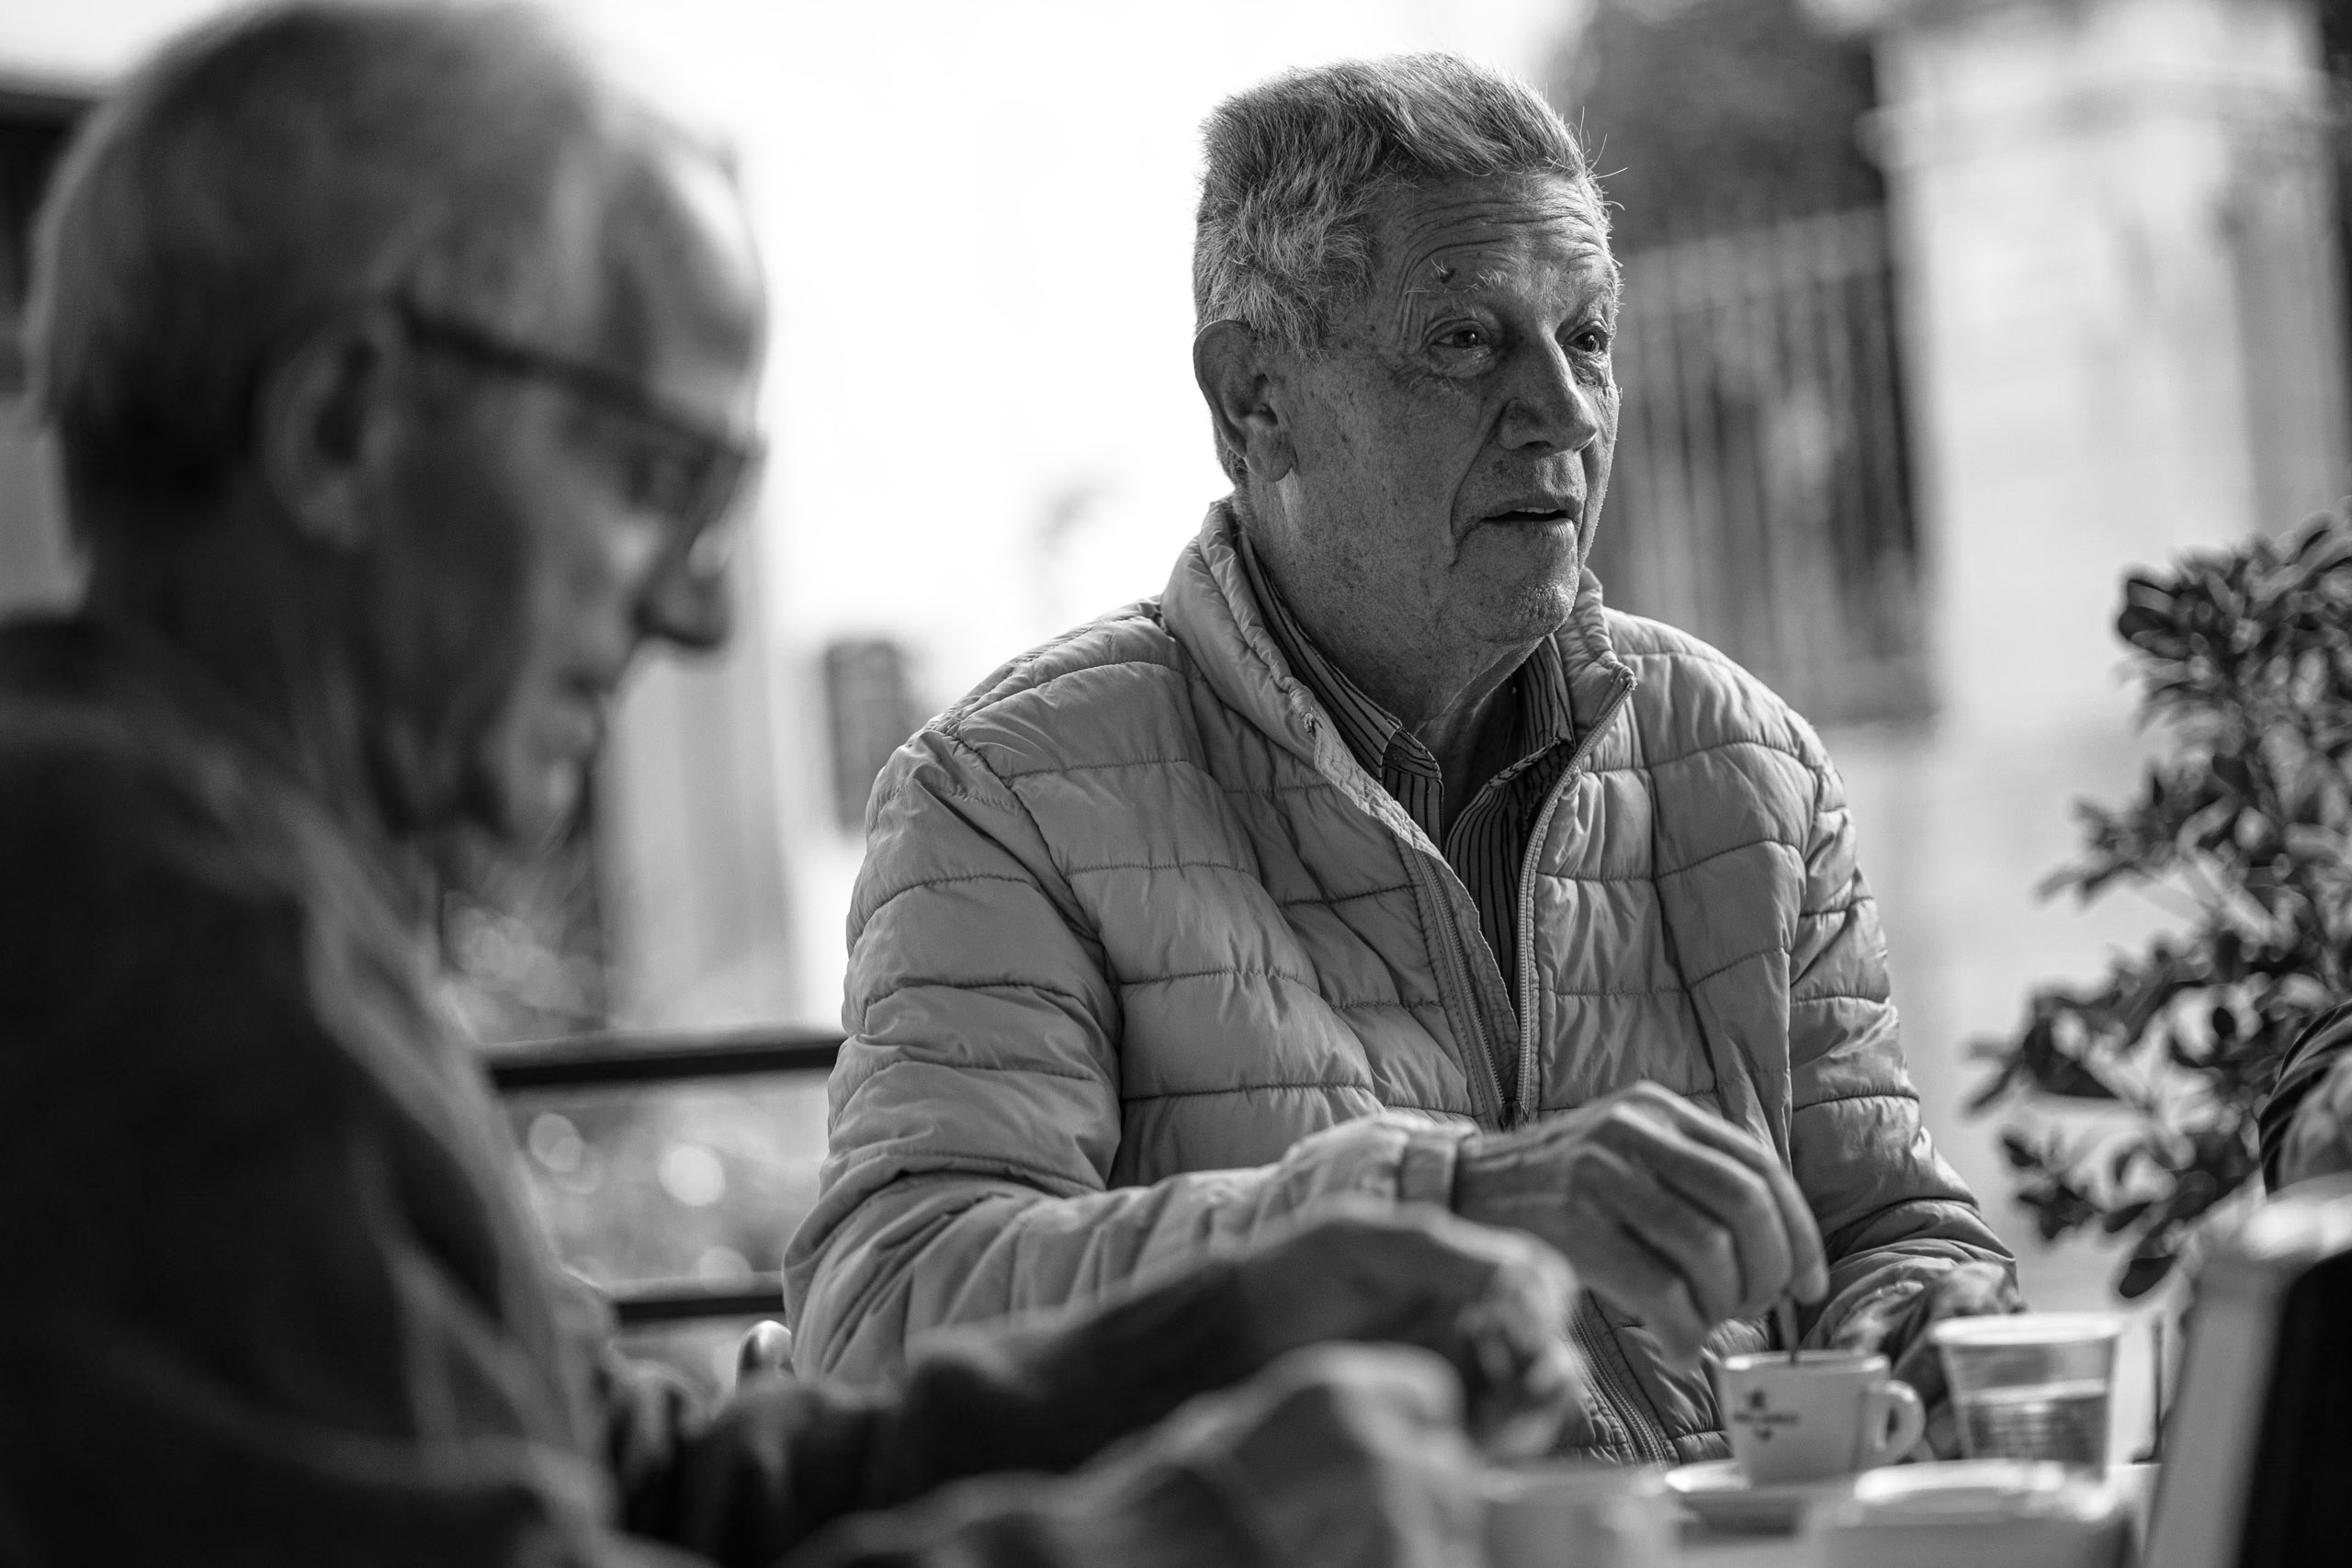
x=1141 y=960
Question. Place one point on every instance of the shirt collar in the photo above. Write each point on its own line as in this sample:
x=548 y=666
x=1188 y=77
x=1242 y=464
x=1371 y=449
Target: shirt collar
x=1547 y=716
x=1363 y=724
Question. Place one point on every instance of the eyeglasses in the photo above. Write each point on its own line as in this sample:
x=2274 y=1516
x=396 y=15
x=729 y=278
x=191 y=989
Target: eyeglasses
x=683 y=468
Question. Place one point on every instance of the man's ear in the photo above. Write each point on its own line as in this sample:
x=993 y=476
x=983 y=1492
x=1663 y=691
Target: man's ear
x=322 y=417
x=1231 y=367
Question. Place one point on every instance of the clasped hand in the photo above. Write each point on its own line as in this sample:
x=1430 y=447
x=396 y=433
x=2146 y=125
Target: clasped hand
x=1669 y=1212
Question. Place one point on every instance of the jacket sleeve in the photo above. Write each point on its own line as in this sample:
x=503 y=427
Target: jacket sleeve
x=788 y=1458
x=975 y=1111
x=1893 y=1213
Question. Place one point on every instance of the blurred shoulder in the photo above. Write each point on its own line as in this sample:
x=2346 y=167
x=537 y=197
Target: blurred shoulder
x=114 y=807
x=1114 y=689
x=76 y=751
x=1694 y=697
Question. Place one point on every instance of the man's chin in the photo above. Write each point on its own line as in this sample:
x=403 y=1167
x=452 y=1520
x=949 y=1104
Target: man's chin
x=530 y=810
x=1530 y=609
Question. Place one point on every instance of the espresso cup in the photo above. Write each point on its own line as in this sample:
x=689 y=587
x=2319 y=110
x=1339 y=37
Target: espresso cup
x=1828 y=1413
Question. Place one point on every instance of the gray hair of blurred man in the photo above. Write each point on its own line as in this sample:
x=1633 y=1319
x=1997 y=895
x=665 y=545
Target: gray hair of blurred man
x=280 y=166
x=1295 y=166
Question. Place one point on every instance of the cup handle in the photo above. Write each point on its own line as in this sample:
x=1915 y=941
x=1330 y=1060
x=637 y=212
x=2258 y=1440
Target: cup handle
x=1896 y=1420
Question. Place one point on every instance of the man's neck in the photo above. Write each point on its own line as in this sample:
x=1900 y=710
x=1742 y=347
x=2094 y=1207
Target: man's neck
x=1447 y=697
x=218 y=591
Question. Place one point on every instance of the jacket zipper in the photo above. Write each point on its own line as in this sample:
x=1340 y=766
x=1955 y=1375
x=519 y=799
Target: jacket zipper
x=1627 y=1403
x=1458 y=962
x=1525 y=1110
x=1420 y=863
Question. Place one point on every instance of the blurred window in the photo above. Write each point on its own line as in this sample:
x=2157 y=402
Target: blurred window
x=34 y=564
x=869 y=702
x=2336 y=54
x=678 y=1198
x=34 y=125
x=1762 y=496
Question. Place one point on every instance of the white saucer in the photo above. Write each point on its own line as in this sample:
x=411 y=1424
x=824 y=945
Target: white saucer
x=1725 y=1500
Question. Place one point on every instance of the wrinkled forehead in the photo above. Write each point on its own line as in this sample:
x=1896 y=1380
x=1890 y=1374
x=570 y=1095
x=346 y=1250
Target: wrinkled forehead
x=1467 y=236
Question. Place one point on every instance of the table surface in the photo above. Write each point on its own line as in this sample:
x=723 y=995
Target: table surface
x=1706 y=1549
x=1747 y=1551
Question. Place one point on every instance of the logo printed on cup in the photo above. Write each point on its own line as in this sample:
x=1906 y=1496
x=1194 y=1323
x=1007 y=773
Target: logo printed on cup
x=1756 y=1414
x=1828 y=1413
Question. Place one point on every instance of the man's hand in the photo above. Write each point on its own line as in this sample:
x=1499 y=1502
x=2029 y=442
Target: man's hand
x=1335 y=1457
x=1340 y=1454
x=2318 y=1138
x=1897 y=1329
x=1052 y=1393
x=1670 y=1213
x=764 y=1351
x=1494 y=1303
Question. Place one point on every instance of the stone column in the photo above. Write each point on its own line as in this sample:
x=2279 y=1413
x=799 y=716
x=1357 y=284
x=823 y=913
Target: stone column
x=2116 y=225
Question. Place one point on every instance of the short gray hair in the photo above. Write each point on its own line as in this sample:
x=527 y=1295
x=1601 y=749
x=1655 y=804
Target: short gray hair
x=1283 y=241
x=268 y=170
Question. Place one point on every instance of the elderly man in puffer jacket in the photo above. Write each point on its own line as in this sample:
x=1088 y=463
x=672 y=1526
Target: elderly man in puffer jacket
x=1376 y=856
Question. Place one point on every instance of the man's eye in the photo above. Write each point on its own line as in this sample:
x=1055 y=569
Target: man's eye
x=656 y=479
x=1466 y=338
x=1591 y=340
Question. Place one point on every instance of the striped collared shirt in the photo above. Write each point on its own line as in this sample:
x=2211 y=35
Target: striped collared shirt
x=1489 y=837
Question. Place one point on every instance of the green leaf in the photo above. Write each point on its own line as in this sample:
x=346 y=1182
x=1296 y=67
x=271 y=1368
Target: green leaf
x=2143 y=1274
x=1993 y=1089
x=2120 y=1164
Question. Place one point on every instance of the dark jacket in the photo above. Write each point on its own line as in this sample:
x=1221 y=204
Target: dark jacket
x=266 y=1294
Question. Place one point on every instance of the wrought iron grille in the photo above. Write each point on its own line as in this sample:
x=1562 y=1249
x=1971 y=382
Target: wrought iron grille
x=1761 y=493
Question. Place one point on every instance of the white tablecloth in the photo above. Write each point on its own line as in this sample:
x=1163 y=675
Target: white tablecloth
x=1702 y=1549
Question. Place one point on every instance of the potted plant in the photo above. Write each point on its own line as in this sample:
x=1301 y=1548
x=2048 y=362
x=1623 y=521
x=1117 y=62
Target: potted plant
x=2243 y=660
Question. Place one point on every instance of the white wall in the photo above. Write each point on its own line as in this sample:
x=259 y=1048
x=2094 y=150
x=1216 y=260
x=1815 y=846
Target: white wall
x=2117 y=227
x=977 y=219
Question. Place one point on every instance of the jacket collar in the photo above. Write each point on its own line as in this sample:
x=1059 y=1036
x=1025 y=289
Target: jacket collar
x=1212 y=609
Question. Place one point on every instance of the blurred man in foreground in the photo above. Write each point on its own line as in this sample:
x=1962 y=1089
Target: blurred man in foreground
x=403 y=376
x=1376 y=855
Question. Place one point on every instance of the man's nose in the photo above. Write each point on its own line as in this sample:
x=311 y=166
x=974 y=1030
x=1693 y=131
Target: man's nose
x=1550 y=409
x=687 y=603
